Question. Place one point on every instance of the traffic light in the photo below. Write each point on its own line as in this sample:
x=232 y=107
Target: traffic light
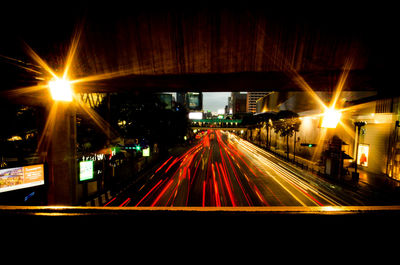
x=308 y=145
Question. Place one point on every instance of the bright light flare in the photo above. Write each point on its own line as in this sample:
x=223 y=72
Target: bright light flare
x=60 y=90
x=331 y=118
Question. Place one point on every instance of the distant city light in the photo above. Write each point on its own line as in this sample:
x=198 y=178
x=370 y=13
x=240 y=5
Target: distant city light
x=60 y=90
x=15 y=138
x=195 y=115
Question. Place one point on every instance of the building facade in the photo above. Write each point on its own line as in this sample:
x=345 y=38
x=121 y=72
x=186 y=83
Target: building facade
x=238 y=102
x=252 y=97
x=192 y=100
x=378 y=143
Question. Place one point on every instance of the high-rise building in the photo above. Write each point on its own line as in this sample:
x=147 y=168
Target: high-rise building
x=229 y=109
x=192 y=100
x=181 y=98
x=238 y=102
x=252 y=97
x=165 y=99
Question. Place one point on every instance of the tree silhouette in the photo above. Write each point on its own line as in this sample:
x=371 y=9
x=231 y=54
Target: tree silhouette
x=139 y=116
x=286 y=123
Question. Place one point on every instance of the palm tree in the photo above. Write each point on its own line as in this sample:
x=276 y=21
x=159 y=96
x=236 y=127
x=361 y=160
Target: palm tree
x=286 y=123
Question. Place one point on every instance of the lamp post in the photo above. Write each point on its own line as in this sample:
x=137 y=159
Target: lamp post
x=62 y=188
x=331 y=118
x=333 y=162
x=60 y=90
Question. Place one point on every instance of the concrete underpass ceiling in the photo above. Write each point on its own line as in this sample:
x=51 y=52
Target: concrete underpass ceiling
x=206 y=48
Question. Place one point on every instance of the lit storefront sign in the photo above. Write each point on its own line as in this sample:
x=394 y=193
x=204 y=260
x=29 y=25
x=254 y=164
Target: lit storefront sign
x=363 y=152
x=146 y=151
x=93 y=157
x=86 y=170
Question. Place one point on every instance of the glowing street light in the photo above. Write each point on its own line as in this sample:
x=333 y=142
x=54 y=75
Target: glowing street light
x=331 y=118
x=60 y=90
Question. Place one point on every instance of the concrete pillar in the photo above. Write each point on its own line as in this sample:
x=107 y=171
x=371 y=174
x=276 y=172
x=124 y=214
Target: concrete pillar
x=62 y=164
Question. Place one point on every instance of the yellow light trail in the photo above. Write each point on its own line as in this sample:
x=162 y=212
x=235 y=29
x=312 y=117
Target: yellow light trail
x=284 y=174
x=274 y=178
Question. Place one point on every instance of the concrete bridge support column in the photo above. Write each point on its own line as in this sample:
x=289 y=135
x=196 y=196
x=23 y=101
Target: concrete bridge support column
x=62 y=164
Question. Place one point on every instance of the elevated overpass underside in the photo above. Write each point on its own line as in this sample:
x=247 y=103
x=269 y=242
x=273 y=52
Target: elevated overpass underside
x=207 y=48
x=217 y=124
x=238 y=81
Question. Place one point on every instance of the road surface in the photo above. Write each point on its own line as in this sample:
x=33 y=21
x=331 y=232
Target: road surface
x=222 y=169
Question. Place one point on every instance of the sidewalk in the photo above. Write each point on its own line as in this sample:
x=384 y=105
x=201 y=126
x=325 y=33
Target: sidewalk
x=378 y=181
x=373 y=189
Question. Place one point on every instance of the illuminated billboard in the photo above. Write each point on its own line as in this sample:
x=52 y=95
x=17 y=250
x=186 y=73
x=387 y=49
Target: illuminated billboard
x=195 y=115
x=146 y=151
x=86 y=170
x=363 y=152
x=21 y=177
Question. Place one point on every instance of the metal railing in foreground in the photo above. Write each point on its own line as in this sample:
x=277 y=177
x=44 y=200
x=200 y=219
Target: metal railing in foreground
x=163 y=224
x=132 y=211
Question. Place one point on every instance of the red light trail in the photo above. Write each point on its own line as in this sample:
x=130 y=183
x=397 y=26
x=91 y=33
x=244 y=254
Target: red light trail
x=222 y=169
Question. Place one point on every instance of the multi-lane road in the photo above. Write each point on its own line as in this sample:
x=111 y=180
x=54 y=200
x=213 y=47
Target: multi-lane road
x=222 y=169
